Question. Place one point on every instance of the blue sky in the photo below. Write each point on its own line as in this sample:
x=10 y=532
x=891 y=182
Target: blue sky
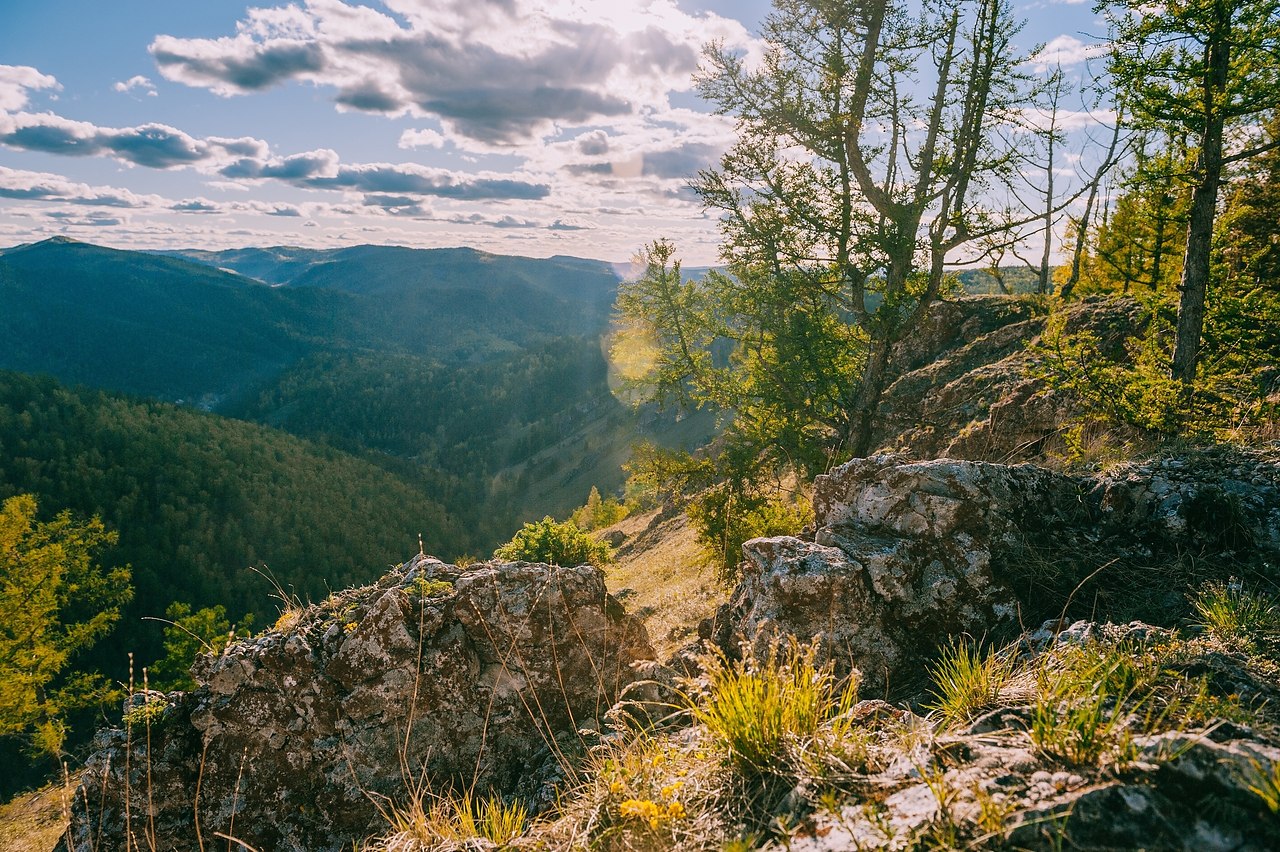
x=531 y=127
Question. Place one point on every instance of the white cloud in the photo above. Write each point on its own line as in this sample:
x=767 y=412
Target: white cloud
x=500 y=74
x=17 y=81
x=21 y=185
x=136 y=82
x=425 y=138
x=1064 y=51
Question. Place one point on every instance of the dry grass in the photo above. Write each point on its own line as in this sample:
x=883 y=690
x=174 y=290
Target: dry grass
x=671 y=585
x=34 y=822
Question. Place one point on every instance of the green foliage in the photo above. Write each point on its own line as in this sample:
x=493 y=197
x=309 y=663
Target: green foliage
x=758 y=707
x=199 y=498
x=1234 y=616
x=188 y=634
x=427 y=587
x=727 y=500
x=726 y=516
x=145 y=712
x=555 y=543
x=54 y=602
x=968 y=682
x=1138 y=246
x=1227 y=399
x=1165 y=65
x=598 y=512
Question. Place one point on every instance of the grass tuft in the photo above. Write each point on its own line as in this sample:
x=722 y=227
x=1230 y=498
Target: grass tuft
x=968 y=682
x=1231 y=615
x=1086 y=697
x=757 y=707
x=442 y=822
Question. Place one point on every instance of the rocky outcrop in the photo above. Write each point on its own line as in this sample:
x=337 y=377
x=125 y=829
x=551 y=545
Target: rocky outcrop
x=906 y=555
x=435 y=677
x=966 y=388
x=991 y=784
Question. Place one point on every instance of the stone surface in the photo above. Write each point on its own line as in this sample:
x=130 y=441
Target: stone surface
x=907 y=555
x=298 y=738
x=965 y=390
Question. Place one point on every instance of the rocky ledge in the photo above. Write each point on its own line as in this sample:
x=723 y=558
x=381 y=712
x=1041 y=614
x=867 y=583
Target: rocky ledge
x=487 y=679
x=906 y=555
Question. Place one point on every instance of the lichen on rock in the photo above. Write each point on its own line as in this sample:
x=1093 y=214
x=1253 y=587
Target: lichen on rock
x=303 y=737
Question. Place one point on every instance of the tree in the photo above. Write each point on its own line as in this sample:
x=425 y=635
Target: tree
x=1208 y=69
x=187 y=634
x=1136 y=247
x=54 y=601
x=866 y=142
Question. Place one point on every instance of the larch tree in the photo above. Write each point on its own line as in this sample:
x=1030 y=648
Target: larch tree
x=1210 y=70
x=868 y=138
x=54 y=602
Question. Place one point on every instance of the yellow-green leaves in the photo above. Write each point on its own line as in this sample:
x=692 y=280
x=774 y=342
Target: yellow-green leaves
x=54 y=601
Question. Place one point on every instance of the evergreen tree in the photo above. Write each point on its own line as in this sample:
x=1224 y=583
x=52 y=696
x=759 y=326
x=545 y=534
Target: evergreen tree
x=1207 y=69
x=54 y=602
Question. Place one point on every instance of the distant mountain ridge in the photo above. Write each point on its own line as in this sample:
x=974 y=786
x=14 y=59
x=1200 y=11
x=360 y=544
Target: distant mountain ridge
x=179 y=326
x=482 y=379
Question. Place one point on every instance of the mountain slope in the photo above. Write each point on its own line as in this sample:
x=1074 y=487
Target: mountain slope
x=151 y=325
x=198 y=499
x=459 y=302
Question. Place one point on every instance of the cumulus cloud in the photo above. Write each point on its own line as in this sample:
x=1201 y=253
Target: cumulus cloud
x=322 y=170
x=41 y=186
x=496 y=73
x=425 y=138
x=156 y=146
x=18 y=81
x=1064 y=51
x=159 y=146
x=87 y=220
x=592 y=144
x=196 y=205
x=136 y=82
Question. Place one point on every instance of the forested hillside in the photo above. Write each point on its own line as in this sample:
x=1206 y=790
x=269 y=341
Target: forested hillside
x=459 y=371
x=199 y=500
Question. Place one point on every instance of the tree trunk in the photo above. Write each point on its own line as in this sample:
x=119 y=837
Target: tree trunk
x=1204 y=203
x=867 y=403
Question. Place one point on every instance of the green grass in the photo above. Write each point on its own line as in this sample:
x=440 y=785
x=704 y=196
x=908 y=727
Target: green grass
x=429 y=822
x=1264 y=782
x=1086 y=697
x=1230 y=614
x=968 y=682
x=755 y=708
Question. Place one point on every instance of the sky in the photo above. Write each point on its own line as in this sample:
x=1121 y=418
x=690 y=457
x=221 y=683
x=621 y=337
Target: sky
x=527 y=127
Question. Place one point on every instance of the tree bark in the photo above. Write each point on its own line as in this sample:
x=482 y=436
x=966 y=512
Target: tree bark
x=867 y=402
x=1204 y=203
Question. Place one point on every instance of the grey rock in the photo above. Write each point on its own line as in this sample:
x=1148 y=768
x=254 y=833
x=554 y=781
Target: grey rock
x=298 y=739
x=907 y=555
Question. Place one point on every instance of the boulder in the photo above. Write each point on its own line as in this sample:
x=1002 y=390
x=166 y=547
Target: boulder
x=907 y=555
x=305 y=736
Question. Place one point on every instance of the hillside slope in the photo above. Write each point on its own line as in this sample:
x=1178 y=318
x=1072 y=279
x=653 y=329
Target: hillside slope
x=199 y=499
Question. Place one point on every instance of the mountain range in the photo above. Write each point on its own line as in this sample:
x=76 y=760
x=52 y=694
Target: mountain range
x=459 y=393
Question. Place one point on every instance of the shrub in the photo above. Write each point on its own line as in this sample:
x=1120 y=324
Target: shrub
x=726 y=517
x=598 y=512
x=555 y=544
